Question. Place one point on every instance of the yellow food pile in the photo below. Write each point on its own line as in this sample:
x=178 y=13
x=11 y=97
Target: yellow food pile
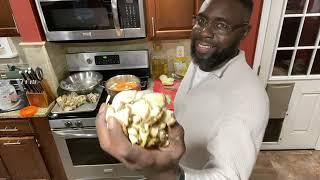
x=144 y=117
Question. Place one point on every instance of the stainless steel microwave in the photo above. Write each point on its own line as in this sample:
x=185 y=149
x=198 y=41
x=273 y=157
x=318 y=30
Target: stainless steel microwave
x=65 y=20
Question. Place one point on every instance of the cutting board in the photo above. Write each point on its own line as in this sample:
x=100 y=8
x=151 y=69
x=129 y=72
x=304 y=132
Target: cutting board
x=171 y=91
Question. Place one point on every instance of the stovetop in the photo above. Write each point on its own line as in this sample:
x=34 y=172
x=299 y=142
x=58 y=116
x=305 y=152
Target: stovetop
x=108 y=64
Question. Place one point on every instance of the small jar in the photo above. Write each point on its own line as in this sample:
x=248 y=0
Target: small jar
x=8 y=95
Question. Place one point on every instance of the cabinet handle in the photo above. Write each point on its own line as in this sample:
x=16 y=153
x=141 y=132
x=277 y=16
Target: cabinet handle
x=153 y=27
x=106 y=171
x=12 y=143
x=9 y=130
x=114 y=5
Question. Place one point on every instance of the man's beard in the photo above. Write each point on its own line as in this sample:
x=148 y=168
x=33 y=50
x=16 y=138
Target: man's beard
x=215 y=60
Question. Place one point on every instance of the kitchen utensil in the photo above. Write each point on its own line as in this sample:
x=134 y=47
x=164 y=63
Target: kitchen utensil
x=121 y=79
x=39 y=73
x=26 y=84
x=34 y=80
x=82 y=82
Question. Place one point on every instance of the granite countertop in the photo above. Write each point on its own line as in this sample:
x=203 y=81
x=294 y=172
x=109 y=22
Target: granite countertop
x=42 y=112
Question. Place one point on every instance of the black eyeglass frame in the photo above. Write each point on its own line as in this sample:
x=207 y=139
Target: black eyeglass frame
x=208 y=24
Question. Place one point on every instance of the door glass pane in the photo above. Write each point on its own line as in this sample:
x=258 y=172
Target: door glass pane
x=314 y=6
x=289 y=32
x=310 y=31
x=316 y=64
x=302 y=62
x=87 y=151
x=78 y=15
x=295 y=6
x=282 y=63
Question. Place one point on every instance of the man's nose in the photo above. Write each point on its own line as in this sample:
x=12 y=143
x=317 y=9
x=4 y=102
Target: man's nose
x=206 y=32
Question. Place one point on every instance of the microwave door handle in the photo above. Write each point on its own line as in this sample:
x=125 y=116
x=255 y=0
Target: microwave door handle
x=114 y=5
x=74 y=135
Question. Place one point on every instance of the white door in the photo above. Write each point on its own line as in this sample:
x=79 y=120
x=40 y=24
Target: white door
x=290 y=53
x=301 y=127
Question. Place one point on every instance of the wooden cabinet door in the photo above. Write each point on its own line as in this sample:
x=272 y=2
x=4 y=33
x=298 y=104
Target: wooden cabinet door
x=22 y=158
x=4 y=175
x=7 y=22
x=168 y=19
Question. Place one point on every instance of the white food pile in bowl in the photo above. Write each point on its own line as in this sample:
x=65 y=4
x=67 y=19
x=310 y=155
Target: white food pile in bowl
x=144 y=117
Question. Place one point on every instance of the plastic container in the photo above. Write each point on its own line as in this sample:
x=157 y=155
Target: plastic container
x=8 y=95
x=181 y=66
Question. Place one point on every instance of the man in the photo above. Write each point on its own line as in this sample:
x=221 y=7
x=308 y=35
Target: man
x=220 y=104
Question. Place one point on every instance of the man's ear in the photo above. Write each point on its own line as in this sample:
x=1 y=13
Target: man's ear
x=245 y=31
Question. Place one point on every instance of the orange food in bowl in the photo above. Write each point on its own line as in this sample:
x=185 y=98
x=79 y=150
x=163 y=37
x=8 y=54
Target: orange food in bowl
x=122 y=86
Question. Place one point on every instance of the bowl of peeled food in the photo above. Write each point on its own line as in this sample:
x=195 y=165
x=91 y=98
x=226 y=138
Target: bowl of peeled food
x=120 y=83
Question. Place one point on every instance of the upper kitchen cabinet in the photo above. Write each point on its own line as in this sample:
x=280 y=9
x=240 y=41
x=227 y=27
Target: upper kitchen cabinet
x=27 y=20
x=169 y=19
x=7 y=23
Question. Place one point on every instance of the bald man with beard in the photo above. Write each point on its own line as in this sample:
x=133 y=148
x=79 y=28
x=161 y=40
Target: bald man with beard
x=221 y=107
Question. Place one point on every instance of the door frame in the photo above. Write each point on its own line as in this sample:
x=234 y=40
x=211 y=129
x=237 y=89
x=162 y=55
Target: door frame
x=268 y=38
x=265 y=14
x=318 y=144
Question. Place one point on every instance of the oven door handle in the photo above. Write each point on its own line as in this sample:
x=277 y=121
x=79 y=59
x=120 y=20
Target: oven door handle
x=114 y=5
x=74 y=135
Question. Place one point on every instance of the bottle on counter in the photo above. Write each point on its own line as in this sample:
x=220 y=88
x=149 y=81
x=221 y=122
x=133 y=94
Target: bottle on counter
x=181 y=63
x=159 y=63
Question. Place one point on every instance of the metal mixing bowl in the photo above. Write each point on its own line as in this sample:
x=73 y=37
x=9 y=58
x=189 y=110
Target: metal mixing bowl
x=120 y=79
x=82 y=82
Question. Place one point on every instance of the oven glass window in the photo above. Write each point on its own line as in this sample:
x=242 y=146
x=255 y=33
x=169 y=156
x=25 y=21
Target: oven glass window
x=78 y=15
x=87 y=151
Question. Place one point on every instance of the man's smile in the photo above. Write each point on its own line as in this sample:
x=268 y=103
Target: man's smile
x=204 y=48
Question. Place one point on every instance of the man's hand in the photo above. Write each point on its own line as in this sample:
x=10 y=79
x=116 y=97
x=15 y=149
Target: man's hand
x=160 y=163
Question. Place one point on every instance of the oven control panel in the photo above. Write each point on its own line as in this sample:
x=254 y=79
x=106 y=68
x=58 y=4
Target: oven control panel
x=107 y=59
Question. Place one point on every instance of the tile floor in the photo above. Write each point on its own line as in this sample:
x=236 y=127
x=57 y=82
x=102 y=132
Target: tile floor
x=287 y=165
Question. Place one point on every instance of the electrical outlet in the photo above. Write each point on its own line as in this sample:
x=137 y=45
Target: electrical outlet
x=180 y=51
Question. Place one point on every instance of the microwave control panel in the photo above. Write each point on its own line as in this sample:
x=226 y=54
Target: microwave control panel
x=129 y=13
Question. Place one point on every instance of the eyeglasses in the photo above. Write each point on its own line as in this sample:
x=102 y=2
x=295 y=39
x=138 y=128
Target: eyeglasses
x=216 y=26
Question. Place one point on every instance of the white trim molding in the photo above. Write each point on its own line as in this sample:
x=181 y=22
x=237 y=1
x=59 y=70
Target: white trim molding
x=262 y=34
x=318 y=144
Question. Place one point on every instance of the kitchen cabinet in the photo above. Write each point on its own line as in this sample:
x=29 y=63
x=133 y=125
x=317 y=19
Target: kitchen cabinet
x=28 y=151
x=7 y=22
x=167 y=19
x=3 y=171
x=48 y=148
x=15 y=127
x=22 y=158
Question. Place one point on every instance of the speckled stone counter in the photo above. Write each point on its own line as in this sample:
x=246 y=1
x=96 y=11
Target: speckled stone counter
x=42 y=112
